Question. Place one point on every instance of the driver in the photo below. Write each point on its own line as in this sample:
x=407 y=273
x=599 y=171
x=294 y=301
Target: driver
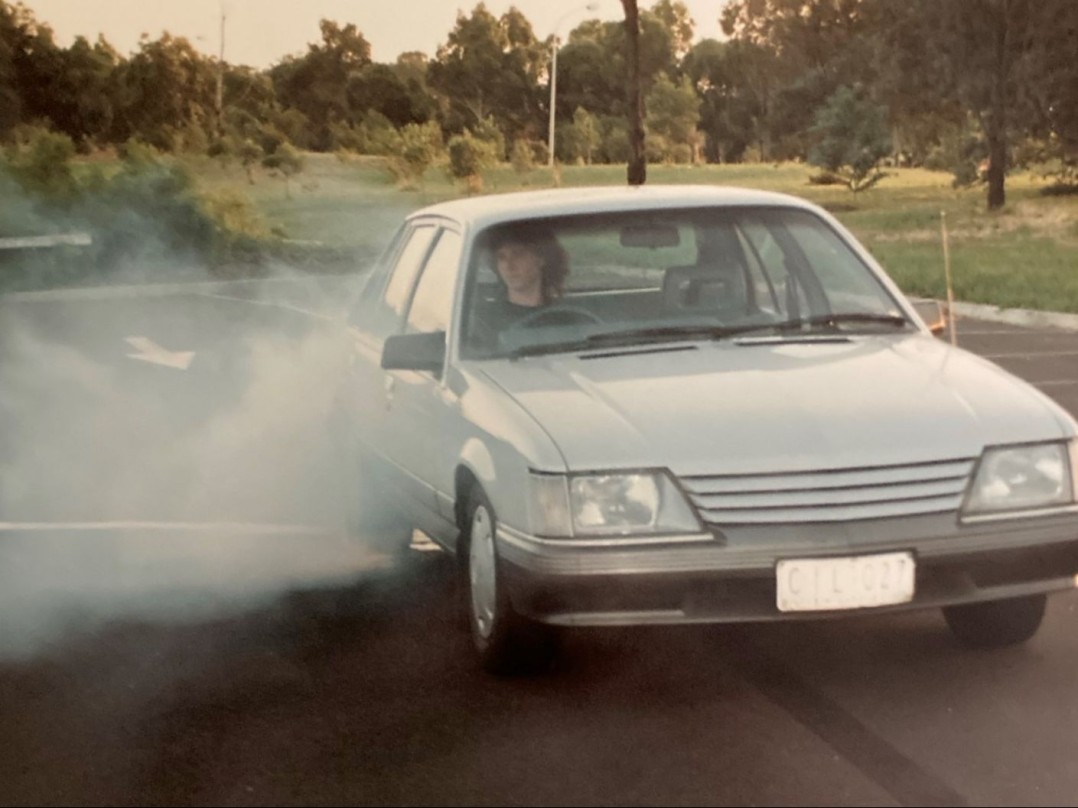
x=532 y=267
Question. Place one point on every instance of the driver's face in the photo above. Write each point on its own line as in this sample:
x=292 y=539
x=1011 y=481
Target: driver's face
x=520 y=267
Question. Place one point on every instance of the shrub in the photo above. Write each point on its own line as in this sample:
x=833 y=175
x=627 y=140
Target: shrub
x=852 y=136
x=40 y=161
x=468 y=156
x=522 y=156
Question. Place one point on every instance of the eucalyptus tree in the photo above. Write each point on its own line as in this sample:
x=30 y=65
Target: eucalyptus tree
x=490 y=67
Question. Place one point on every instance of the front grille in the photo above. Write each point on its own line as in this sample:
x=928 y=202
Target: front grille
x=837 y=495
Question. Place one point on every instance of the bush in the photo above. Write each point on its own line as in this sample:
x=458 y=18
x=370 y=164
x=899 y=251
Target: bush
x=418 y=146
x=488 y=132
x=852 y=137
x=148 y=216
x=375 y=135
x=522 y=156
x=468 y=156
x=40 y=161
x=681 y=154
x=614 y=147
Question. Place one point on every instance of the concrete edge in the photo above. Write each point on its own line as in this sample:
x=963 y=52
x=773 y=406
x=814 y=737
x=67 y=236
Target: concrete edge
x=1030 y=318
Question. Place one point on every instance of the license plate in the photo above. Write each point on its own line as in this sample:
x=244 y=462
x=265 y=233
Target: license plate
x=852 y=582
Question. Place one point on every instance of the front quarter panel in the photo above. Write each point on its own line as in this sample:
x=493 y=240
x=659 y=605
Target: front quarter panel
x=498 y=444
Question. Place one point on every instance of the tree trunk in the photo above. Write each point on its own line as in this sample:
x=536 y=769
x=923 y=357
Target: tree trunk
x=996 y=130
x=997 y=168
x=637 y=174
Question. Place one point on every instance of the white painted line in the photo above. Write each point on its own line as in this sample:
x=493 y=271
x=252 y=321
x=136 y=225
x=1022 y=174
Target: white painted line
x=328 y=283
x=150 y=351
x=1029 y=355
x=37 y=242
x=1017 y=331
x=191 y=527
x=287 y=306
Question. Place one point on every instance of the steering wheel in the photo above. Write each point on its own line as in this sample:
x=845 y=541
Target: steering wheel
x=557 y=315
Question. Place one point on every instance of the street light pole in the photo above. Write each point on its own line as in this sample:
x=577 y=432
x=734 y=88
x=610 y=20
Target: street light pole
x=219 y=99
x=554 y=75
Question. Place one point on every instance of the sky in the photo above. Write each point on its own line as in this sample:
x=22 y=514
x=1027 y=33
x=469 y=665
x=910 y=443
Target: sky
x=261 y=32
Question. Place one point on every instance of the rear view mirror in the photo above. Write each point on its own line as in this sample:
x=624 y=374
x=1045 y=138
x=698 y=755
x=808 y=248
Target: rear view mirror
x=650 y=235
x=415 y=352
x=933 y=313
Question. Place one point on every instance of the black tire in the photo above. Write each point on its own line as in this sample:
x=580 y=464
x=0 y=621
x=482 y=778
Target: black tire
x=507 y=644
x=997 y=623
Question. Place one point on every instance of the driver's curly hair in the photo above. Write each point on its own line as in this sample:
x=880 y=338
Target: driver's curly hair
x=542 y=240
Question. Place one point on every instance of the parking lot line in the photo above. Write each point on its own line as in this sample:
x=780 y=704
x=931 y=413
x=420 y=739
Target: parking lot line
x=1028 y=355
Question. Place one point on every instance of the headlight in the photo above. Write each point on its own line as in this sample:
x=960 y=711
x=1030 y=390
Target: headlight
x=1022 y=478
x=642 y=503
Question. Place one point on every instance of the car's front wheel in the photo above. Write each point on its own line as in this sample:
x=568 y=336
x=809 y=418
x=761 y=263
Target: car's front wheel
x=996 y=623
x=506 y=642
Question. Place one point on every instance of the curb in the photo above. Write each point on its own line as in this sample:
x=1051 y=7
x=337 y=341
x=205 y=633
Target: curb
x=1030 y=318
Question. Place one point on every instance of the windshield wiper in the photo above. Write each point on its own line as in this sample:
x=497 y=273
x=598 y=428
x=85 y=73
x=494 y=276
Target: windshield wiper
x=837 y=319
x=637 y=336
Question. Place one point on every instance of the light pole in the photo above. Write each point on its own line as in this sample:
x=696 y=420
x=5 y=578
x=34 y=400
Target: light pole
x=220 y=95
x=554 y=74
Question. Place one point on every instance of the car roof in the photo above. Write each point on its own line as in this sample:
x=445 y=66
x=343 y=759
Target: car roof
x=481 y=211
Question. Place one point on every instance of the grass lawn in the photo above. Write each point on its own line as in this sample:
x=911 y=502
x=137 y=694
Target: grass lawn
x=1025 y=255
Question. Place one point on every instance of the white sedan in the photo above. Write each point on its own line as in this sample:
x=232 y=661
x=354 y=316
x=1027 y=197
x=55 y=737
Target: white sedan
x=691 y=404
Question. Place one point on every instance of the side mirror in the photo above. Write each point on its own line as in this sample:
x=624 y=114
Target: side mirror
x=932 y=312
x=415 y=352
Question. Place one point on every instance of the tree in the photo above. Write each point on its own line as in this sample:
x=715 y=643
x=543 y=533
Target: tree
x=733 y=80
x=674 y=111
x=30 y=65
x=382 y=88
x=316 y=83
x=1048 y=80
x=675 y=16
x=166 y=86
x=853 y=137
x=582 y=138
x=287 y=161
x=593 y=65
x=978 y=50
x=815 y=46
x=490 y=67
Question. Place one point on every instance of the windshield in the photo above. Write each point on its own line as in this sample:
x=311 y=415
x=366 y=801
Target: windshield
x=644 y=276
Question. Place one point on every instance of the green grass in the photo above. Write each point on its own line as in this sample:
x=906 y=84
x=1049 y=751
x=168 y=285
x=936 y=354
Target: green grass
x=1023 y=256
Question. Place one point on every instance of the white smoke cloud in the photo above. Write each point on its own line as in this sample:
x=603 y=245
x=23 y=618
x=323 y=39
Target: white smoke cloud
x=138 y=491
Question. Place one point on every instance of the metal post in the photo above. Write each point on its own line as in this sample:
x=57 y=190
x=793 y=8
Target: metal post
x=219 y=99
x=553 y=91
x=947 y=277
x=592 y=6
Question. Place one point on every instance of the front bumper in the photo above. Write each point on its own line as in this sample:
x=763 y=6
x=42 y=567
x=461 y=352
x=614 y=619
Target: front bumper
x=730 y=576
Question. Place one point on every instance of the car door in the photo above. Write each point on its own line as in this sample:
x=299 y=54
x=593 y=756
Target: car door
x=367 y=389
x=421 y=405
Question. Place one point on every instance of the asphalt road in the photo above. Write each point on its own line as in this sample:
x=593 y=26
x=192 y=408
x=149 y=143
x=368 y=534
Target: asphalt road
x=146 y=664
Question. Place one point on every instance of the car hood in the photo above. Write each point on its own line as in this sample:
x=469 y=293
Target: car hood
x=753 y=406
